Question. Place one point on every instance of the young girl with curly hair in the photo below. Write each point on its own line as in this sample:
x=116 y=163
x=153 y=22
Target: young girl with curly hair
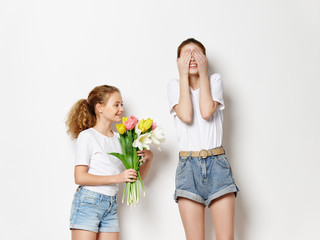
x=98 y=174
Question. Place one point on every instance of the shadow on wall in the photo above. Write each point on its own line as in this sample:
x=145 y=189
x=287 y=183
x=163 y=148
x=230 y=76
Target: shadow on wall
x=160 y=159
x=241 y=219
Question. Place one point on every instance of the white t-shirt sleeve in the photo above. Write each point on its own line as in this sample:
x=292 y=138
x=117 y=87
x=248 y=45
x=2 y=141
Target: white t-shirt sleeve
x=84 y=149
x=173 y=92
x=216 y=85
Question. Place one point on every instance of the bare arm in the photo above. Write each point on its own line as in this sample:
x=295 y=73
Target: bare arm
x=82 y=177
x=207 y=106
x=147 y=157
x=184 y=107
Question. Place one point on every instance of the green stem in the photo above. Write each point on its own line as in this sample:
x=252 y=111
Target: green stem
x=124 y=192
x=134 y=193
x=138 y=191
x=128 y=194
x=139 y=176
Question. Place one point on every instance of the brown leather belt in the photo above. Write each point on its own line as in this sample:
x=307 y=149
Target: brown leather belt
x=203 y=153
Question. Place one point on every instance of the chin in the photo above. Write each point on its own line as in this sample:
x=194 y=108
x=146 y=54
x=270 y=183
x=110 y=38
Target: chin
x=193 y=72
x=117 y=118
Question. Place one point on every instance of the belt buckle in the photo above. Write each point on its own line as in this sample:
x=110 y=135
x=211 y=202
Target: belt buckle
x=203 y=153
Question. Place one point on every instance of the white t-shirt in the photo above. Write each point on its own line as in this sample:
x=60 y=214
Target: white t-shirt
x=92 y=150
x=201 y=133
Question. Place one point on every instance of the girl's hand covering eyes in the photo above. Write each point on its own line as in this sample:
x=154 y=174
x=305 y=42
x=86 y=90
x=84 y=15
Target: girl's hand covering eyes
x=202 y=62
x=183 y=63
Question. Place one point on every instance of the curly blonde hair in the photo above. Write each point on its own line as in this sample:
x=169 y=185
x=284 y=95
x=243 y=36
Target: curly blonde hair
x=82 y=115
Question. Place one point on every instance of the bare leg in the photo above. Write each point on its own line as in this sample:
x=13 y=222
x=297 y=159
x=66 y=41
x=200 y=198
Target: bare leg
x=192 y=215
x=78 y=234
x=222 y=212
x=108 y=236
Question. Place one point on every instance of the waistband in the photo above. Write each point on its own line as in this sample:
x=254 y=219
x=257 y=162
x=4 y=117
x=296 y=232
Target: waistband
x=203 y=153
x=95 y=194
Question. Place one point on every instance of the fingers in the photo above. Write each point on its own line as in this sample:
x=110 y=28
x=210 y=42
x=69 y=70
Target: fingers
x=143 y=159
x=188 y=57
x=145 y=154
x=196 y=53
x=183 y=62
x=131 y=180
x=130 y=175
x=185 y=58
x=196 y=56
x=201 y=61
x=199 y=56
x=142 y=152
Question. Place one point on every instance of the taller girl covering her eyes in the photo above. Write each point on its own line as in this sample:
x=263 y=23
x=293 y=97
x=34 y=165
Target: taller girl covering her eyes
x=203 y=175
x=98 y=174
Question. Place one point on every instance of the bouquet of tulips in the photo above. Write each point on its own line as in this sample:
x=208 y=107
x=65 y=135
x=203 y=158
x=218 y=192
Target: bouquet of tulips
x=136 y=135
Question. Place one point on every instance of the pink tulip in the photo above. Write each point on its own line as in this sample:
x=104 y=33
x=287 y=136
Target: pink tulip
x=131 y=123
x=154 y=126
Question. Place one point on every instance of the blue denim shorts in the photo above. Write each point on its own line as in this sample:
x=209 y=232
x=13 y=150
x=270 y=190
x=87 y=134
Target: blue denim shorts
x=204 y=179
x=94 y=212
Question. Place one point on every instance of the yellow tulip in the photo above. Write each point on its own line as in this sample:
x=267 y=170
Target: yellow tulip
x=144 y=125
x=121 y=128
x=148 y=123
x=140 y=126
x=124 y=119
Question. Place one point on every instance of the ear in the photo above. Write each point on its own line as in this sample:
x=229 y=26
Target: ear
x=99 y=108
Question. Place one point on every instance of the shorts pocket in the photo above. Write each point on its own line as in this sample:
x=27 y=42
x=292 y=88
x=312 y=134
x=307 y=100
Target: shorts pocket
x=89 y=200
x=223 y=161
x=182 y=165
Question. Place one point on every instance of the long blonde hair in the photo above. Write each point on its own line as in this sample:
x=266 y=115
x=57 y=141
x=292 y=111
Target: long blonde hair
x=82 y=115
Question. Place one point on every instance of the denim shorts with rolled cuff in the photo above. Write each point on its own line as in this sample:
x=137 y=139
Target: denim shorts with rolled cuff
x=94 y=212
x=204 y=179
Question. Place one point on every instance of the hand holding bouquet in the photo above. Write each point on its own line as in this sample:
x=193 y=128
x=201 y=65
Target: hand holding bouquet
x=136 y=135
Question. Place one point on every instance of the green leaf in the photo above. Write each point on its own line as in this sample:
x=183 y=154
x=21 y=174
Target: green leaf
x=122 y=158
x=123 y=144
x=130 y=161
x=128 y=143
x=139 y=177
x=135 y=159
x=124 y=192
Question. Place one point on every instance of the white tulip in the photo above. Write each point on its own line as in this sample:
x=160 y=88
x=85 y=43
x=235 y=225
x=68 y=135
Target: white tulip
x=143 y=141
x=157 y=137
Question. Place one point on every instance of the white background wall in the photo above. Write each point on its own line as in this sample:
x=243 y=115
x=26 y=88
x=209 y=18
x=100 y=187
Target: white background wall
x=54 y=52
